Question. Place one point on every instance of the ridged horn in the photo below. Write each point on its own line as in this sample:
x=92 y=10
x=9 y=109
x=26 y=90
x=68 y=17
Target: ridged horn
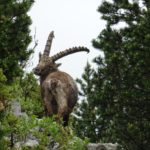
x=68 y=52
x=48 y=43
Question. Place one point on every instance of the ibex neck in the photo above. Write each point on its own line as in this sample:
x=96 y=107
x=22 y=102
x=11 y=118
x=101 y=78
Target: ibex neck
x=44 y=76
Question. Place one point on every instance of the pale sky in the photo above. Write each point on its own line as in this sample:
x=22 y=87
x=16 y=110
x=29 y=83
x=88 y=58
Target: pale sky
x=75 y=23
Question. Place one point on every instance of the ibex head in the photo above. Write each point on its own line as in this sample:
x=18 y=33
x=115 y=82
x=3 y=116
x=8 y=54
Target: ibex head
x=47 y=64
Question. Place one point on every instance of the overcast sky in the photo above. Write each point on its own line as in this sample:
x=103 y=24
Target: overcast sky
x=75 y=23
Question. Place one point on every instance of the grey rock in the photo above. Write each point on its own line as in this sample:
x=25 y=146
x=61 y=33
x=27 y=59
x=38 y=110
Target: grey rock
x=18 y=145
x=16 y=108
x=31 y=143
x=102 y=146
x=56 y=146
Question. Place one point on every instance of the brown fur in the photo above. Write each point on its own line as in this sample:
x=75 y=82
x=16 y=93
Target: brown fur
x=58 y=89
x=59 y=93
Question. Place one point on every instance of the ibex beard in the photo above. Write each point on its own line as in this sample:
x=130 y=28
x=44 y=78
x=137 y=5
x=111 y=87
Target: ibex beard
x=58 y=89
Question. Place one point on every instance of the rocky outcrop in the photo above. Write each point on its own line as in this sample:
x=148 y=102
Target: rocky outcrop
x=31 y=141
x=102 y=146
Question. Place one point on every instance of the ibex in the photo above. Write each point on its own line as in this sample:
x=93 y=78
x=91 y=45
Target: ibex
x=58 y=89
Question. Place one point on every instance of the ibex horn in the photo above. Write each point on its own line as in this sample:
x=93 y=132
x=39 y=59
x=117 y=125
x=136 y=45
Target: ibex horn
x=48 y=43
x=68 y=52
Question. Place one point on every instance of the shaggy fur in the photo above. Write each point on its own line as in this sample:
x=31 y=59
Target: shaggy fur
x=58 y=89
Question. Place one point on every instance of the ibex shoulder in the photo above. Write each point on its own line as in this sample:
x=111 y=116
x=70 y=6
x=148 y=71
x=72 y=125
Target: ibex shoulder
x=59 y=78
x=62 y=76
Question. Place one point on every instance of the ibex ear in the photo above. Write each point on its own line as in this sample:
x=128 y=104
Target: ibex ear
x=58 y=65
x=40 y=55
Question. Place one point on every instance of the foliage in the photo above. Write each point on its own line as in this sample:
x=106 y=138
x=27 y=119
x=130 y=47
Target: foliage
x=14 y=40
x=14 y=36
x=121 y=82
x=31 y=104
x=86 y=123
x=45 y=130
x=4 y=92
x=64 y=136
x=31 y=98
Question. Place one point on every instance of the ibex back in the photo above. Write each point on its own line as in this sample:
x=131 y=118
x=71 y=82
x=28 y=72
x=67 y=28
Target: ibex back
x=58 y=89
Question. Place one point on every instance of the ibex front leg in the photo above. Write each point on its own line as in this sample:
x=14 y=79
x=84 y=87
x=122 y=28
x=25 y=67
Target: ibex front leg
x=47 y=102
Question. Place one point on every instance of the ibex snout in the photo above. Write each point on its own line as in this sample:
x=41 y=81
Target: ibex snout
x=37 y=71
